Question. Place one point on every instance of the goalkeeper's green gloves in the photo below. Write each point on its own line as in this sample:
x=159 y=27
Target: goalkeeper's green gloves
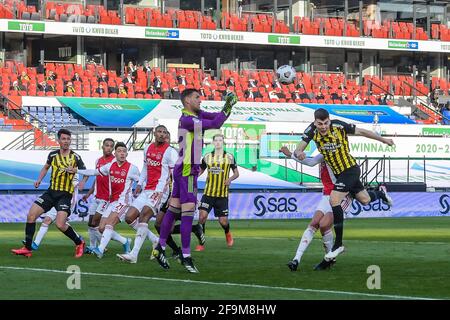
x=230 y=101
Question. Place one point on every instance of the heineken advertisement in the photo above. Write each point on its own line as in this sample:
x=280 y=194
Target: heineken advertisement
x=74 y=28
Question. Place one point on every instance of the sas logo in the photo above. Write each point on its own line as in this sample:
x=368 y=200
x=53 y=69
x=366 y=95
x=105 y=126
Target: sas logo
x=376 y=206
x=444 y=201
x=272 y=204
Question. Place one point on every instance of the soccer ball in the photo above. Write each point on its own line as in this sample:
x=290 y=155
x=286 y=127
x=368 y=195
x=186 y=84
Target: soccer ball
x=286 y=74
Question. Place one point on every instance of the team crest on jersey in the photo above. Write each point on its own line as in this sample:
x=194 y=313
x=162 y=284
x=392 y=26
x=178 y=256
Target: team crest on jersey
x=158 y=156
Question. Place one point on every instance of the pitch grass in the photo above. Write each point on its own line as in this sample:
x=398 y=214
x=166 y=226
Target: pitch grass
x=412 y=253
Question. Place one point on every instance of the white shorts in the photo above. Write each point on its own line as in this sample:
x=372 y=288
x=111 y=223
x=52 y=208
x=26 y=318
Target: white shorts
x=325 y=206
x=116 y=206
x=98 y=205
x=145 y=199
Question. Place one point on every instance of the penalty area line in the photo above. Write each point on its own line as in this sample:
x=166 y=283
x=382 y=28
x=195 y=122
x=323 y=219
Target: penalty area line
x=226 y=284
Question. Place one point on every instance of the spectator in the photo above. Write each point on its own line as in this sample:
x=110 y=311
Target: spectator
x=45 y=87
x=151 y=90
x=146 y=67
x=40 y=68
x=300 y=85
x=24 y=77
x=239 y=7
x=129 y=79
x=358 y=98
x=273 y=95
x=112 y=88
x=16 y=86
x=51 y=76
x=252 y=93
x=157 y=84
x=175 y=93
x=182 y=79
x=230 y=82
x=295 y=95
x=382 y=99
x=320 y=95
x=335 y=96
x=103 y=78
x=122 y=89
x=132 y=69
x=69 y=87
x=276 y=84
x=2 y=64
x=202 y=92
x=206 y=82
x=252 y=83
x=76 y=77
x=139 y=90
x=100 y=90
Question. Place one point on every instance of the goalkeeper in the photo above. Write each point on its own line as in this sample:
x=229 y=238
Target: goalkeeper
x=193 y=123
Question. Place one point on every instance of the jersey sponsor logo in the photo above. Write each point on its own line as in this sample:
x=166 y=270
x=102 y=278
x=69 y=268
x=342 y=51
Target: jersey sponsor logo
x=444 y=201
x=216 y=170
x=117 y=180
x=272 y=204
x=331 y=146
x=153 y=163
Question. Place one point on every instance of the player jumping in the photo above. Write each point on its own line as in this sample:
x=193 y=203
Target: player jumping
x=192 y=124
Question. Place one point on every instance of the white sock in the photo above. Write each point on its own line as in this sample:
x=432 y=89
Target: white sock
x=304 y=242
x=134 y=224
x=141 y=235
x=92 y=237
x=152 y=237
x=116 y=236
x=327 y=240
x=41 y=233
x=98 y=235
x=106 y=237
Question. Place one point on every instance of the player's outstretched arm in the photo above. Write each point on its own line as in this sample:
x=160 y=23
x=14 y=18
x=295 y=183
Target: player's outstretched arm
x=42 y=174
x=310 y=162
x=299 y=151
x=372 y=135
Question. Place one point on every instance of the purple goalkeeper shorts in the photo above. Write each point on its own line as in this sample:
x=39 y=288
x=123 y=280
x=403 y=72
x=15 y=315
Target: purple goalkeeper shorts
x=185 y=188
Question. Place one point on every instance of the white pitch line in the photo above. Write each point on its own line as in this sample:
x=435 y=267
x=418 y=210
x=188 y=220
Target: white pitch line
x=227 y=284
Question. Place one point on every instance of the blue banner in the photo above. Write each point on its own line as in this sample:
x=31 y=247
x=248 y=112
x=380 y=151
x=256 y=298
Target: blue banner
x=363 y=113
x=110 y=112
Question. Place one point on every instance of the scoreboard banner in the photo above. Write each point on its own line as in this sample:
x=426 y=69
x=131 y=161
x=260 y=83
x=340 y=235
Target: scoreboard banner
x=14 y=208
x=74 y=28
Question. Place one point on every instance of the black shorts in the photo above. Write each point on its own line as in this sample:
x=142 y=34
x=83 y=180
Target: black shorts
x=60 y=200
x=165 y=206
x=349 y=181
x=219 y=204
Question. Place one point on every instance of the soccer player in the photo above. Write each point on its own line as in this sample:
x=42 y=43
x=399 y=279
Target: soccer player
x=192 y=124
x=215 y=196
x=331 y=138
x=159 y=160
x=323 y=217
x=121 y=176
x=101 y=190
x=58 y=195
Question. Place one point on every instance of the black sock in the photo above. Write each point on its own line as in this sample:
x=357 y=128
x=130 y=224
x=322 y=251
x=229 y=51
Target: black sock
x=338 y=216
x=176 y=229
x=226 y=228
x=158 y=228
x=172 y=244
x=70 y=233
x=204 y=227
x=30 y=228
x=375 y=195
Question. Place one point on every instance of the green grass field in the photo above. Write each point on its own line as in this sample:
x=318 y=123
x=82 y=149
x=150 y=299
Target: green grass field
x=412 y=253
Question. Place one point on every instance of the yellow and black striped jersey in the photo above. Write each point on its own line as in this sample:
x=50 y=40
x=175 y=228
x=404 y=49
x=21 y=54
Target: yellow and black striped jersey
x=60 y=180
x=218 y=172
x=333 y=145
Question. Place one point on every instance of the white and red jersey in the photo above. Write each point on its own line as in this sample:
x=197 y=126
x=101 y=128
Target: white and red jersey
x=327 y=177
x=121 y=178
x=102 y=191
x=158 y=163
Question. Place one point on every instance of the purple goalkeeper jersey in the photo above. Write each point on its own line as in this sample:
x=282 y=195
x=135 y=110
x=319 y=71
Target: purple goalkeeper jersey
x=190 y=138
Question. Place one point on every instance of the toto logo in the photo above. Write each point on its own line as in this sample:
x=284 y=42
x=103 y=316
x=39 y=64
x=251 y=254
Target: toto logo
x=357 y=207
x=444 y=201
x=272 y=204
